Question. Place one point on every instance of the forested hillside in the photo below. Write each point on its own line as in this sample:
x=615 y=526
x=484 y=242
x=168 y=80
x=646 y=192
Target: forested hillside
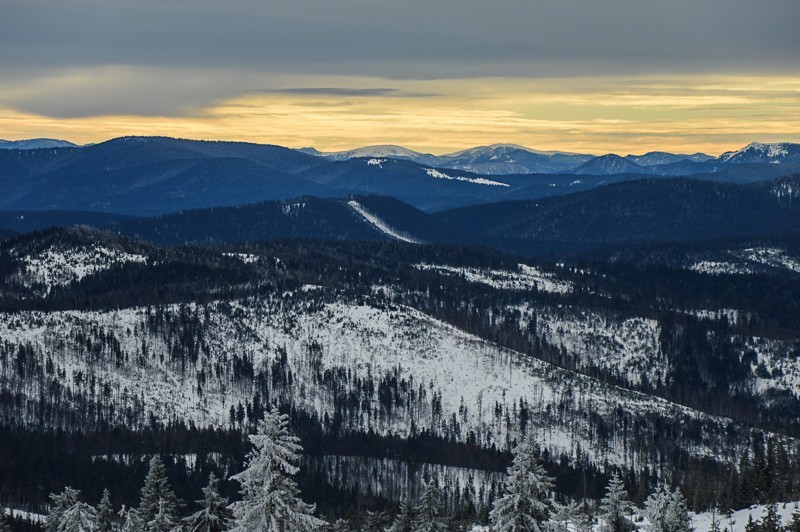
x=397 y=360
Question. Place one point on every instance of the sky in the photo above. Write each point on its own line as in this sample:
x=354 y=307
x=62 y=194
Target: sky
x=593 y=76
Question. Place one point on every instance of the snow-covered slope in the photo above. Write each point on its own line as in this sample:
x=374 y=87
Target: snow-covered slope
x=525 y=278
x=423 y=374
x=61 y=265
x=757 y=152
x=476 y=180
x=749 y=259
x=737 y=521
x=380 y=225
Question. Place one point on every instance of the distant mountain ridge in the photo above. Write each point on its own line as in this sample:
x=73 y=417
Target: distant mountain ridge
x=496 y=159
x=146 y=176
x=35 y=144
x=500 y=159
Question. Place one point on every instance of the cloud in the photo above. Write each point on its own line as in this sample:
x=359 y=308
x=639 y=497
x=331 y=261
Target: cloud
x=341 y=91
x=685 y=114
x=567 y=74
x=414 y=39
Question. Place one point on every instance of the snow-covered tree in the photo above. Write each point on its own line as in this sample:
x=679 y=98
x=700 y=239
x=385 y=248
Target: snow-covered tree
x=61 y=502
x=156 y=489
x=666 y=511
x=131 y=521
x=404 y=522
x=214 y=515
x=568 y=518
x=374 y=521
x=80 y=517
x=4 y=525
x=270 y=497
x=340 y=525
x=164 y=520
x=105 y=513
x=525 y=504
x=615 y=508
x=716 y=520
x=771 y=521
x=429 y=510
x=794 y=526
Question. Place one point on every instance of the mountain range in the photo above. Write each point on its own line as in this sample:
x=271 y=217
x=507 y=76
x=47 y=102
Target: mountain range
x=144 y=176
x=624 y=213
x=499 y=159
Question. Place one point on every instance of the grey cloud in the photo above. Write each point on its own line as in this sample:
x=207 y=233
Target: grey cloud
x=409 y=39
x=341 y=91
x=335 y=91
x=388 y=39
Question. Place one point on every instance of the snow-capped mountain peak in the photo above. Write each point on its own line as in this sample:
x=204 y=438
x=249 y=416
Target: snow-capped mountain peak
x=758 y=152
x=389 y=151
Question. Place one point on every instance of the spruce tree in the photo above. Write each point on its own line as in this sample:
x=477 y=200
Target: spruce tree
x=794 y=526
x=615 y=507
x=567 y=518
x=716 y=521
x=771 y=521
x=666 y=511
x=105 y=513
x=340 y=525
x=5 y=526
x=214 y=515
x=429 y=511
x=525 y=505
x=374 y=521
x=61 y=503
x=404 y=522
x=164 y=520
x=156 y=489
x=270 y=497
x=80 y=517
x=131 y=521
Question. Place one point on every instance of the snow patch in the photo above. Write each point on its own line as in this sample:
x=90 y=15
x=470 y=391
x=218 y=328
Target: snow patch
x=525 y=278
x=55 y=267
x=380 y=225
x=476 y=180
x=247 y=258
x=775 y=257
x=293 y=208
x=719 y=268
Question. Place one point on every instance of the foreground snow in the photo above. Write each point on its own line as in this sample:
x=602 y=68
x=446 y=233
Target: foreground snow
x=736 y=521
